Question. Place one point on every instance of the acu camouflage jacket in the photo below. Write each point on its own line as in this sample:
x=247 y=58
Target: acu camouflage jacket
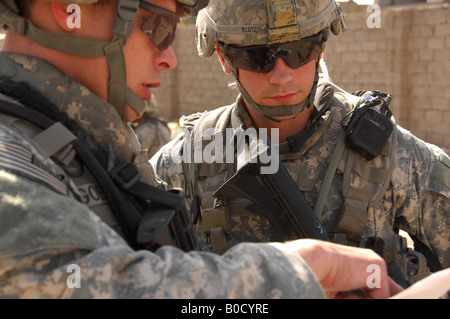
x=404 y=188
x=48 y=230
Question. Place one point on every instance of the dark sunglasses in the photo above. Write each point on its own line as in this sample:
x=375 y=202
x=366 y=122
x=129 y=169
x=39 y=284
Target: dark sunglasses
x=161 y=26
x=262 y=58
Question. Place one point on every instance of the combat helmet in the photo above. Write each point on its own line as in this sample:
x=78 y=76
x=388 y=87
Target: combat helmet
x=266 y=22
x=119 y=94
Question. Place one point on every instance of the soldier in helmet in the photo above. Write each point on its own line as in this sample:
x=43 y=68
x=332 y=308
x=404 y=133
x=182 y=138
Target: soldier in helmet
x=365 y=181
x=81 y=214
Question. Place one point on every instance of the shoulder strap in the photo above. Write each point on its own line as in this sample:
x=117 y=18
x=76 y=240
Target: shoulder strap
x=329 y=175
x=217 y=119
x=128 y=221
x=197 y=124
x=348 y=101
x=54 y=139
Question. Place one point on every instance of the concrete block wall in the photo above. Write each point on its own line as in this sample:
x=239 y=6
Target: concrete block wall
x=408 y=57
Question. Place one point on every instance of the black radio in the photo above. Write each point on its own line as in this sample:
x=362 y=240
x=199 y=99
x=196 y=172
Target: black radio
x=368 y=130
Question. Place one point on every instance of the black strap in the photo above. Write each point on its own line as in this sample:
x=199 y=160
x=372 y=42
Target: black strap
x=39 y=111
x=144 y=212
x=432 y=261
x=127 y=176
x=115 y=199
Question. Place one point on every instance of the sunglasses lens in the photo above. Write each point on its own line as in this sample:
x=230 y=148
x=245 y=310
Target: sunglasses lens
x=161 y=30
x=257 y=59
x=262 y=58
x=306 y=53
x=161 y=26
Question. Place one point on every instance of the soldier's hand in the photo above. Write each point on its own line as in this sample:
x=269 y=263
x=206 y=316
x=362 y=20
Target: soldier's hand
x=343 y=268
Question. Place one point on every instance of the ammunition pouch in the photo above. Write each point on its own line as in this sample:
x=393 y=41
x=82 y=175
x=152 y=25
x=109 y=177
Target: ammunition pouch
x=365 y=181
x=275 y=192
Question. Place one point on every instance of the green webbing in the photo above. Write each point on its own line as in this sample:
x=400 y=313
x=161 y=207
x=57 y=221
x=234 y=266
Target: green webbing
x=337 y=154
x=119 y=94
x=270 y=112
x=86 y=47
x=117 y=80
x=136 y=102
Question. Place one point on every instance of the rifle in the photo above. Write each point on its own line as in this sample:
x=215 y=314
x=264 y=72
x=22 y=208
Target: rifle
x=276 y=192
x=279 y=194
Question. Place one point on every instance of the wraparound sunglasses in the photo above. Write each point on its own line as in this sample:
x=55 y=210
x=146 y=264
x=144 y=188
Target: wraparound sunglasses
x=262 y=58
x=161 y=26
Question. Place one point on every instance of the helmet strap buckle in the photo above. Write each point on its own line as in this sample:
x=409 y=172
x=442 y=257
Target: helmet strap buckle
x=127 y=9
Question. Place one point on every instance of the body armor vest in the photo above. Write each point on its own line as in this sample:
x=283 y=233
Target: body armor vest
x=359 y=186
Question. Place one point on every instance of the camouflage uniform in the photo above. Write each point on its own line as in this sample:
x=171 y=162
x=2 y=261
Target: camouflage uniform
x=416 y=199
x=54 y=218
x=152 y=133
x=406 y=186
x=48 y=224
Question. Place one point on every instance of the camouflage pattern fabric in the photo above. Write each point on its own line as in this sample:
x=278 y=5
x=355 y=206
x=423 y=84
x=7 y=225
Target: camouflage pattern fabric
x=92 y=113
x=153 y=133
x=45 y=233
x=40 y=239
x=416 y=200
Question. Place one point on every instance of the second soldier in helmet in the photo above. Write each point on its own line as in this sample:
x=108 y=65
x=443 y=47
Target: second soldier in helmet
x=274 y=51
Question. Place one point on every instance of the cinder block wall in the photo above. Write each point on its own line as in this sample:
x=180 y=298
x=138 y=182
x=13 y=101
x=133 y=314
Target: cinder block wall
x=408 y=57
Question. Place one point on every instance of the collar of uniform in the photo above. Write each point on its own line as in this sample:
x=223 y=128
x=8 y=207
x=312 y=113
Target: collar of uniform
x=297 y=145
x=240 y=117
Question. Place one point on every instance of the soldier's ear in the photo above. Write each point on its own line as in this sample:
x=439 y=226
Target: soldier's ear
x=225 y=66
x=65 y=20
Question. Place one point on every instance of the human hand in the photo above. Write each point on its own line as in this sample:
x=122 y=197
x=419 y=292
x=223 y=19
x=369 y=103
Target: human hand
x=342 y=268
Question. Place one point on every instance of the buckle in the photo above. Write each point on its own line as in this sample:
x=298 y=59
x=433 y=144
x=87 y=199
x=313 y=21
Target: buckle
x=127 y=9
x=125 y=174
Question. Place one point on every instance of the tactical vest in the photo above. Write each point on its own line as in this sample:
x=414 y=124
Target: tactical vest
x=52 y=149
x=53 y=145
x=363 y=185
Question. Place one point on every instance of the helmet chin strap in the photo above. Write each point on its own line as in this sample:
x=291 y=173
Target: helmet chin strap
x=270 y=112
x=119 y=94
